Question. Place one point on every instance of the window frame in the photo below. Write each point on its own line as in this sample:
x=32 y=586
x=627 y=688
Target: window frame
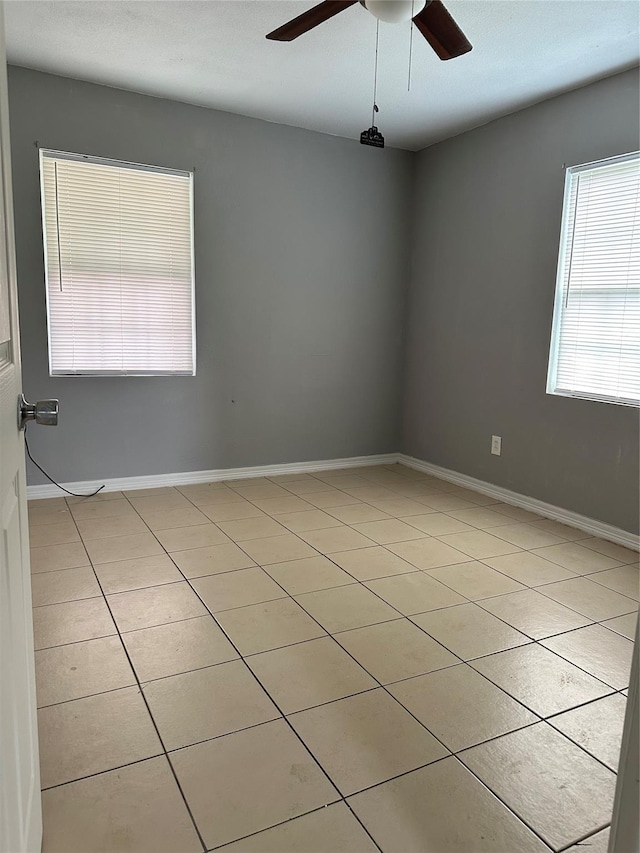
x=43 y=153
x=564 y=257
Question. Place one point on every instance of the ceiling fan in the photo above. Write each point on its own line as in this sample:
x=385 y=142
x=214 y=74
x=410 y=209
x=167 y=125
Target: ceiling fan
x=429 y=16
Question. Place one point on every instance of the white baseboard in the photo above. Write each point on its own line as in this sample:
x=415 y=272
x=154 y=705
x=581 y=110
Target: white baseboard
x=187 y=478
x=573 y=519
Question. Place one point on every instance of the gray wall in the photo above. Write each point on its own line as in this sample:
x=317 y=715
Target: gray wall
x=302 y=251
x=487 y=212
x=301 y=265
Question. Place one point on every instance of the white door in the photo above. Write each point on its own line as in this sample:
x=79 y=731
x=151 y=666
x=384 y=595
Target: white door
x=20 y=811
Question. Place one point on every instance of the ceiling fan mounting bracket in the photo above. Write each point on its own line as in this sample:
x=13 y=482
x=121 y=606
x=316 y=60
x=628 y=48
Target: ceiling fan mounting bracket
x=364 y=5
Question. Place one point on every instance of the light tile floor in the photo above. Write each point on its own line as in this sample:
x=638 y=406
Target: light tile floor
x=350 y=661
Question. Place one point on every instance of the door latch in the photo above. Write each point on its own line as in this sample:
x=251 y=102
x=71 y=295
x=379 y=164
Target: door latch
x=43 y=412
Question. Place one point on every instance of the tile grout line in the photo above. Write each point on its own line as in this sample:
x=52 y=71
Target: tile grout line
x=275 y=704
x=356 y=579
x=461 y=662
x=401 y=615
x=102 y=772
x=293 y=494
x=446 y=512
x=584 y=838
x=288 y=820
x=284 y=717
x=383 y=686
x=292 y=533
x=575 y=742
x=364 y=474
x=472 y=601
x=519 y=549
x=144 y=699
x=393 y=698
x=303 y=540
x=557 y=654
x=374 y=544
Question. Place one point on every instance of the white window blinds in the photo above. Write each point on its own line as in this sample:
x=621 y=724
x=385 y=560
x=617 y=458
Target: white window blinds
x=119 y=267
x=595 y=342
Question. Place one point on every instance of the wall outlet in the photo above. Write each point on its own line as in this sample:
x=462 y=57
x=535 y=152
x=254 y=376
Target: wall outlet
x=496 y=445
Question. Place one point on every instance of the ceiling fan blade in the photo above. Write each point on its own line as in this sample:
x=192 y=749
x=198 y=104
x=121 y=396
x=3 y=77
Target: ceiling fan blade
x=441 y=31
x=308 y=20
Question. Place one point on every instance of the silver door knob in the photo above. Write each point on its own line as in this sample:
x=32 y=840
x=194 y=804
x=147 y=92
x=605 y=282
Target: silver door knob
x=43 y=412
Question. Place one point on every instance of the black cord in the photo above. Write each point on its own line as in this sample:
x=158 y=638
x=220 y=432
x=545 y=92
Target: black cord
x=40 y=468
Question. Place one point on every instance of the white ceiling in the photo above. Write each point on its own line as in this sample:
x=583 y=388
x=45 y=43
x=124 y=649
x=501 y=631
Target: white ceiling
x=214 y=53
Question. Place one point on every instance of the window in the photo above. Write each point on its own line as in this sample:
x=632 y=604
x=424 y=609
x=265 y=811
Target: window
x=595 y=342
x=118 y=241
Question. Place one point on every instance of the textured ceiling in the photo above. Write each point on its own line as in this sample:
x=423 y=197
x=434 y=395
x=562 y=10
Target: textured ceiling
x=214 y=53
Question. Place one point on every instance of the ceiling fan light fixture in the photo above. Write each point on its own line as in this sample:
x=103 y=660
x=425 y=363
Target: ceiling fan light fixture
x=394 y=11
